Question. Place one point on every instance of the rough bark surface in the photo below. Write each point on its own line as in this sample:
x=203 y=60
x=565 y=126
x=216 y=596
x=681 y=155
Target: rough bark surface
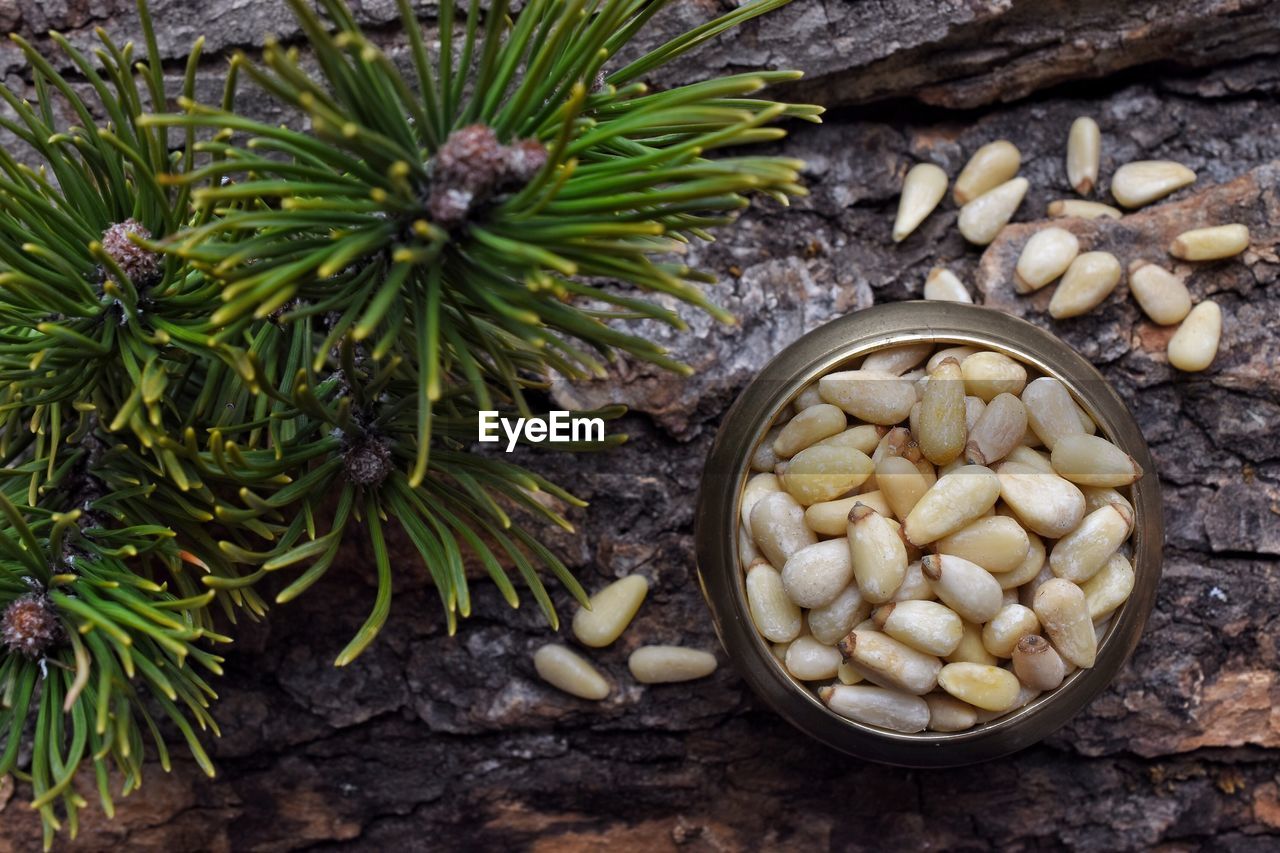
x=433 y=742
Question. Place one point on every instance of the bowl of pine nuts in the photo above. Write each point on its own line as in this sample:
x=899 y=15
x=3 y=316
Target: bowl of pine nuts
x=929 y=533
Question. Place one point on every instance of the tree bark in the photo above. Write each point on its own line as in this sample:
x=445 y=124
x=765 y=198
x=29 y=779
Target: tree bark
x=452 y=743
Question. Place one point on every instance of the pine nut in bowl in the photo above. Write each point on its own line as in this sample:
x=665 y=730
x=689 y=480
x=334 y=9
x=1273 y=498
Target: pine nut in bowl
x=954 y=568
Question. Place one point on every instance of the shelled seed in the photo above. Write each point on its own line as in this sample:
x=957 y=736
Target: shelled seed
x=897 y=360
x=863 y=438
x=1160 y=294
x=1109 y=588
x=810 y=660
x=778 y=528
x=1143 y=181
x=1210 y=244
x=965 y=587
x=764 y=459
x=831 y=518
x=973 y=409
x=943 y=285
x=922 y=189
x=997 y=543
x=987 y=687
x=980 y=220
x=942 y=430
x=1024 y=697
x=807 y=397
x=566 y=670
x=1051 y=412
x=990 y=166
x=890 y=663
x=971 y=649
x=949 y=714
x=815 y=575
x=1090 y=460
x=1060 y=606
x=951 y=503
x=848 y=674
x=1036 y=663
x=775 y=616
x=756 y=488
x=1007 y=627
x=876 y=706
x=667 y=664
x=809 y=427
x=612 y=610
x=915 y=586
x=877 y=398
x=1028 y=568
x=1074 y=208
x=877 y=552
x=1084 y=151
x=925 y=626
x=998 y=430
x=989 y=374
x=1045 y=503
x=825 y=473
x=1098 y=497
x=1086 y=283
x=1046 y=255
x=832 y=621
x=1195 y=345
x=958 y=353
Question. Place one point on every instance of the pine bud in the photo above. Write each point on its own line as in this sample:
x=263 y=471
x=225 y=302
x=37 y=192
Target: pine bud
x=30 y=625
x=367 y=462
x=472 y=165
x=142 y=266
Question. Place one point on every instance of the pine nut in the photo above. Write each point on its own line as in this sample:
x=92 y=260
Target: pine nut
x=1087 y=282
x=1210 y=244
x=864 y=438
x=877 y=398
x=825 y=473
x=949 y=714
x=915 y=586
x=1089 y=460
x=1109 y=588
x=756 y=488
x=942 y=412
x=848 y=674
x=747 y=553
x=815 y=575
x=1143 y=181
x=996 y=543
x=890 y=663
x=1007 y=627
x=1030 y=457
x=810 y=426
x=965 y=587
x=1046 y=255
x=998 y=431
x=1097 y=498
x=922 y=189
x=1051 y=412
x=777 y=525
x=897 y=360
x=981 y=219
x=971 y=649
x=990 y=166
x=1194 y=346
x=1074 y=208
x=831 y=518
x=925 y=626
x=1062 y=610
x=901 y=484
x=989 y=374
x=566 y=670
x=1024 y=697
x=951 y=503
x=973 y=409
x=879 y=555
x=807 y=397
x=1036 y=663
x=810 y=660
x=831 y=622
x=958 y=353
x=667 y=664
x=1160 y=294
x=875 y=706
x=942 y=285
x=775 y=616
x=987 y=687
x=1044 y=503
x=612 y=610
x=1084 y=150
x=1027 y=592
x=1028 y=569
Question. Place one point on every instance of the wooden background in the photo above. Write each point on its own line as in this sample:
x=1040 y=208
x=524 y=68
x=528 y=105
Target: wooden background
x=436 y=743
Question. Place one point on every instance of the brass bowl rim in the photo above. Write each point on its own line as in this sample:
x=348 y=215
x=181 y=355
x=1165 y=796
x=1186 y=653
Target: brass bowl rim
x=728 y=466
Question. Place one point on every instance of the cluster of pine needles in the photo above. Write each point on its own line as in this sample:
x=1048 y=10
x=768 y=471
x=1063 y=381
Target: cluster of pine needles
x=227 y=345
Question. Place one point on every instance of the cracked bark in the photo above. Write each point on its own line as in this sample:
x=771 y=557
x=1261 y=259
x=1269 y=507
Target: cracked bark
x=452 y=743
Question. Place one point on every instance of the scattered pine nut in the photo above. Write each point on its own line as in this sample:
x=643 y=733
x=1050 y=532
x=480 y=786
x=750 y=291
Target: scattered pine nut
x=1210 y=244
x=1074 y=208
x=1159 y=293
x=1047 y=254
x=990 y=166
x=612 y=610
x=1084 y=151
x=981 y=219
x=666 y=664
x=1086 y=283
x=1143 y=181
x=922 y=189
x=565 y=669
x=944 y=286
x=1194 y=346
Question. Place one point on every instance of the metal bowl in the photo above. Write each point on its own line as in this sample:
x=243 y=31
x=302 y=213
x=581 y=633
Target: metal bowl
x=728 y=466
